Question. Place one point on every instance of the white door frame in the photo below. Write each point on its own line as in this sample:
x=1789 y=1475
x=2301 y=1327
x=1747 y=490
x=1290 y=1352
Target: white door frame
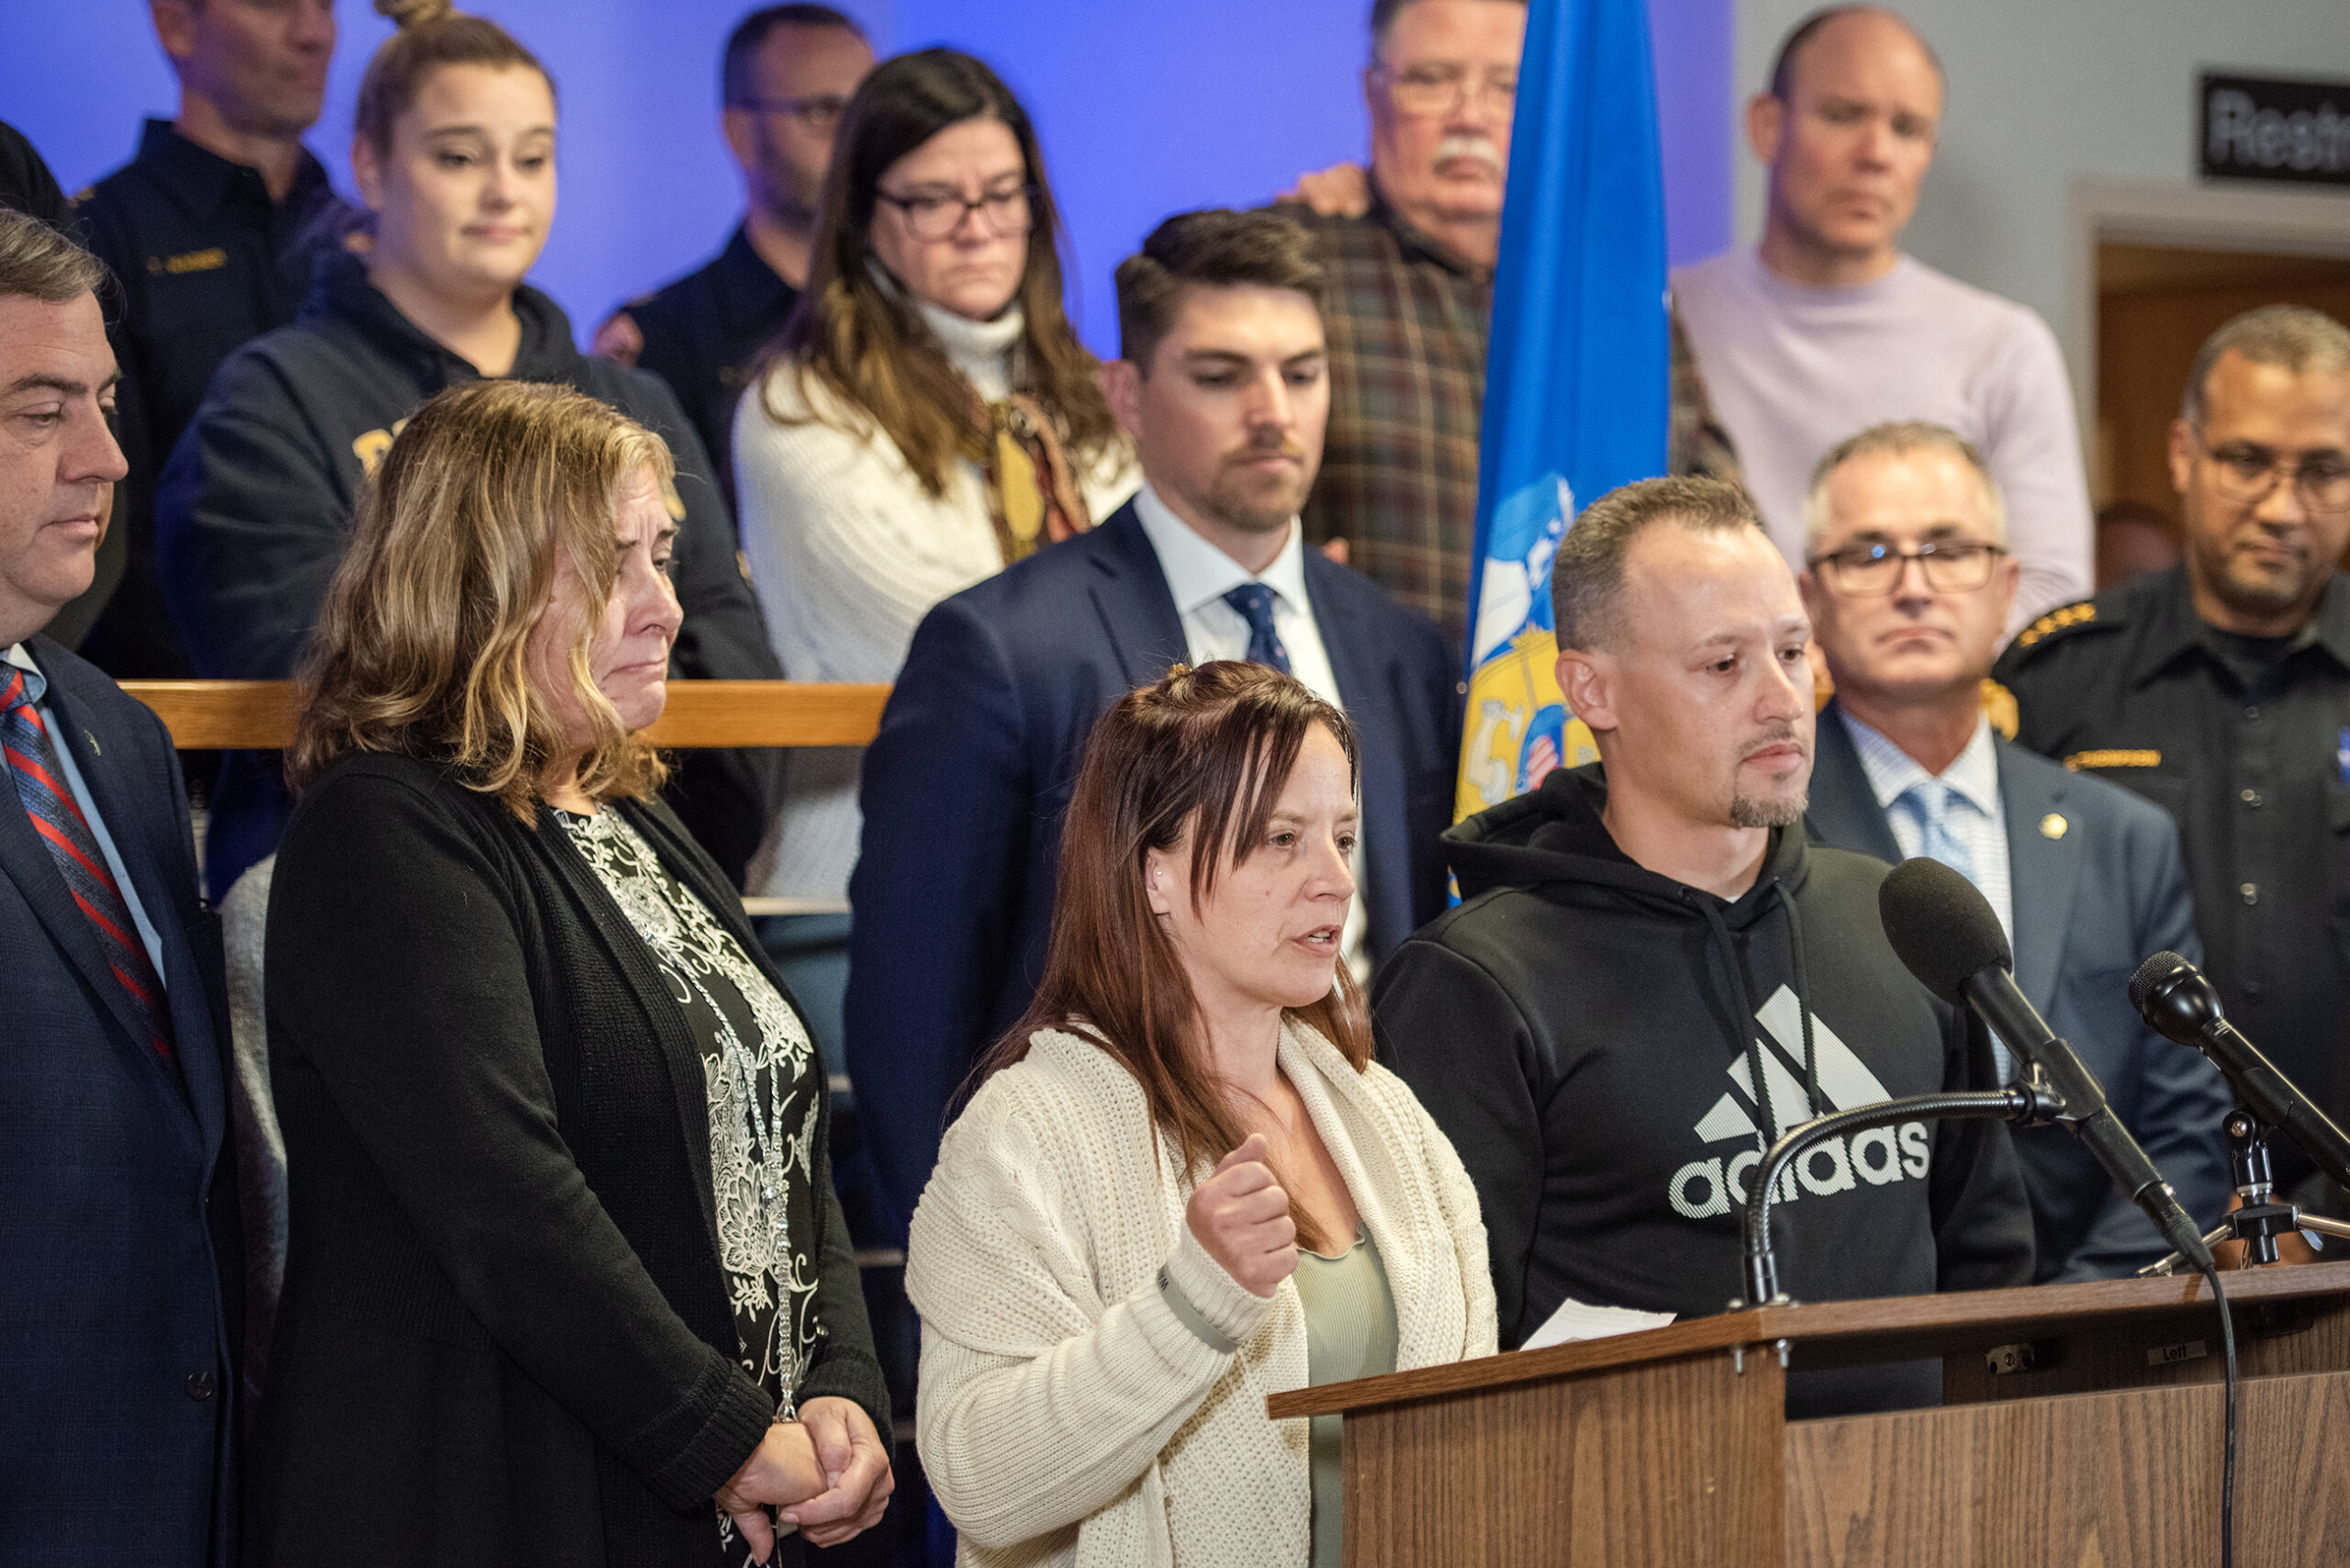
x=2278 y=219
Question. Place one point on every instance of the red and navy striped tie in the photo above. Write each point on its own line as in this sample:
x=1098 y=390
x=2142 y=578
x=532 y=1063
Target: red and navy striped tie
x=59 y=822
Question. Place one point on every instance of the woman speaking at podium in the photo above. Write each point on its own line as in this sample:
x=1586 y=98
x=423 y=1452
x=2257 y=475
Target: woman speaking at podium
x=566 y=1282
x=1182 y=1184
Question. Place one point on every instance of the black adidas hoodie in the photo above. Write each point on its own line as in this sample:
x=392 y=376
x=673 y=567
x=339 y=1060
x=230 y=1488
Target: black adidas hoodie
x=254 y=511
x=1587 y=1033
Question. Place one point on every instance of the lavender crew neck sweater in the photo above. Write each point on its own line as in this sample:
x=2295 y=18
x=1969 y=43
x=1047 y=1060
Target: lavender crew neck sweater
x=1794 y=370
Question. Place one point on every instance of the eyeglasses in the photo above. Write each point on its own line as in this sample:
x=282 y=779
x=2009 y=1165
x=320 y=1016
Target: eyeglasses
x=2247 y=475
x=820 y=113
x=935 y=215
x=1442 y=89
x=1950 y=566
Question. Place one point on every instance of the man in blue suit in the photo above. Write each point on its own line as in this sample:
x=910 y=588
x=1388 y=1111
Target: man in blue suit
x=119 y=1254
x=1908 y=583
x=1223 y=389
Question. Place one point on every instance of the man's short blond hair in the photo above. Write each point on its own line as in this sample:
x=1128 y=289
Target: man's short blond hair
x=1900 y=439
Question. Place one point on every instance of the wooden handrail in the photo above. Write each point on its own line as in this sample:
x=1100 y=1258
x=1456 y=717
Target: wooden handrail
x=258 y=715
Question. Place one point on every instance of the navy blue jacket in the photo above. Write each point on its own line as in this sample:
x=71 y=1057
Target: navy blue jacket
x=120 y=1283
x=2097 y=885
x=965 y=786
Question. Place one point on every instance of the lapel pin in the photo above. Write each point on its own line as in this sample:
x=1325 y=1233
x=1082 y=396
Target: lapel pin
x=2052 y=826
x=94 y=744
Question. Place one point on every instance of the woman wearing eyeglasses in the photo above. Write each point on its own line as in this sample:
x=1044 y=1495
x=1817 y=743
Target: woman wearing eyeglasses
x=928 y=419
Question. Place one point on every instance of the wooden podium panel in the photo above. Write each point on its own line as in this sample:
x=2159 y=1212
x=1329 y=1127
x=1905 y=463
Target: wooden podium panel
x=2129 y=1478
x=1671 y=1448
x=1667 y=1462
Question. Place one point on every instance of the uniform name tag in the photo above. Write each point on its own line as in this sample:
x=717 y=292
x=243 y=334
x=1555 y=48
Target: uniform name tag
x=205 y=261
x=2126 y=757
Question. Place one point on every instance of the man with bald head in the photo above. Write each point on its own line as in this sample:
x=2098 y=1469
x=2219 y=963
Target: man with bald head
x=1909 y=581
x=1826 y=328
x=2219 y=689
x=1654 y=974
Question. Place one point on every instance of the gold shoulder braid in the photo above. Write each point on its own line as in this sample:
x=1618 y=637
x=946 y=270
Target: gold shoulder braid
x=1032 y=499
x=2079 y=614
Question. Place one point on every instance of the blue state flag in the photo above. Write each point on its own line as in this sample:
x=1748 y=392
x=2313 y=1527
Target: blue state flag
x=1577 y=380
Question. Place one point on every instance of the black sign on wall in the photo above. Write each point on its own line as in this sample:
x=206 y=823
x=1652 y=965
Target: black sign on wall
x=2256 y=128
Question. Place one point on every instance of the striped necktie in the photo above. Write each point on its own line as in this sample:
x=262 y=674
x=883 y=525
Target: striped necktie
x=1255 y=603
x=58 y=820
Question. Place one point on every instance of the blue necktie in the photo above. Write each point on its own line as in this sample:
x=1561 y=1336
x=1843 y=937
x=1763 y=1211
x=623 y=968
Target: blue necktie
x=1929 y=803
x=1255 y=603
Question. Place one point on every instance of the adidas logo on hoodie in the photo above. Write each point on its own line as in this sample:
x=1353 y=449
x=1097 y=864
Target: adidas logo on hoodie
x=1876 y=1155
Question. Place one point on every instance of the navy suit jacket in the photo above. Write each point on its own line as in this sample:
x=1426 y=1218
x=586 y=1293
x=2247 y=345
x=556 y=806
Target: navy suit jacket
x=2090 y=903
x=120 y=1276
x=965 y=783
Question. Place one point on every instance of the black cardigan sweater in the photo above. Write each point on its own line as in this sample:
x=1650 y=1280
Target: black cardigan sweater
x=505 y=1335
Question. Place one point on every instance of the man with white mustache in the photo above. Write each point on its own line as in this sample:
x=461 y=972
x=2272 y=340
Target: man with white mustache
x=1408 y=257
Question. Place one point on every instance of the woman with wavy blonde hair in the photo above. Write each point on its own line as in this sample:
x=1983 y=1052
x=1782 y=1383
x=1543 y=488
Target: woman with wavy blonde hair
x=566 y=1282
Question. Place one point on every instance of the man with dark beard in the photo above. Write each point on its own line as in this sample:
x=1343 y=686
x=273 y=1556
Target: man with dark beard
x=2219 y=689
x=1653 y=976
x=1224 y=390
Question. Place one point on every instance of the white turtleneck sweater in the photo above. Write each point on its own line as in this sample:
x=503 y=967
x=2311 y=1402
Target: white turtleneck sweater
x=848 y=552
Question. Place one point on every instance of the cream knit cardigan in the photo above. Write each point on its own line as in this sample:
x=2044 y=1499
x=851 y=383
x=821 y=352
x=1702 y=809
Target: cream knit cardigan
x=1067 y=1415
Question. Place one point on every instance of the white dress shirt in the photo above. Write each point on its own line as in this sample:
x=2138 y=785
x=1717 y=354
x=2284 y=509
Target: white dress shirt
x=19 y=655
x=1198 y=576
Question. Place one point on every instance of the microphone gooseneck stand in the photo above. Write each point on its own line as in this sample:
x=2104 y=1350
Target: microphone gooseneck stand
x=2026 y=1104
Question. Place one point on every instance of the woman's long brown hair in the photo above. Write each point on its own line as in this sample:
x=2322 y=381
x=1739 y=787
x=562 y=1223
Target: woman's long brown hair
x=1202 y=757
x=860 y=336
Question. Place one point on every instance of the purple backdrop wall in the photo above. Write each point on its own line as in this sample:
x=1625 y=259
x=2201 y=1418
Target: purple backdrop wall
x=1145 y=109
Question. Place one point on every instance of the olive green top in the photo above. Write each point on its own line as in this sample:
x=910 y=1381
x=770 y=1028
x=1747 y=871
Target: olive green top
x=1350 y=1333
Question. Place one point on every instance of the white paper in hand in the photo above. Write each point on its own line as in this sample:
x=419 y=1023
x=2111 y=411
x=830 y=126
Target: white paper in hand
x=1579 y=1320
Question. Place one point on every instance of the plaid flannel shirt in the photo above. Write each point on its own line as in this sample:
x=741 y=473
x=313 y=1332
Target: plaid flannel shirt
x=1407 y=323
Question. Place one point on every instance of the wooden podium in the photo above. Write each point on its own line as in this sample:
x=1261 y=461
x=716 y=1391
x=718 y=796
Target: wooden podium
x=2080 y=1427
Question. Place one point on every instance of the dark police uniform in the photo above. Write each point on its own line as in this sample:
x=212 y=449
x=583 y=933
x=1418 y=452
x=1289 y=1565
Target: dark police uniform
x=204 y=262
x=2247 y=743
x=701 y=335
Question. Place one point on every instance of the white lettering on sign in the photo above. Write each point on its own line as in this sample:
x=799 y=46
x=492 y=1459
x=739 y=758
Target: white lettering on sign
x=2308 y=141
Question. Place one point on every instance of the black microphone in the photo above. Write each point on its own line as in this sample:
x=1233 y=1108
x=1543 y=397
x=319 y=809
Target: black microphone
x=2178 y=1003
x=1944 y=929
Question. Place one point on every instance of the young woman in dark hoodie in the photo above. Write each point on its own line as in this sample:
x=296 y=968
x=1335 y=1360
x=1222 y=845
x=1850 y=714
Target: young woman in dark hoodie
x=454 y=153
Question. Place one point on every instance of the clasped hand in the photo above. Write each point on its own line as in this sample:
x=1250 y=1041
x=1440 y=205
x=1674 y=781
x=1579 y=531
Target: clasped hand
x=828 y=1473
x=1240 y=1215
